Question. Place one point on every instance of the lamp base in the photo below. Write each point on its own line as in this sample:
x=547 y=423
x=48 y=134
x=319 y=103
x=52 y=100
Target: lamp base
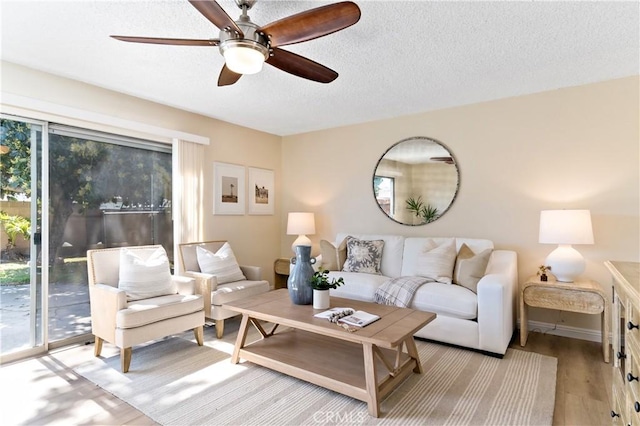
x=566 y=263
x=302 y=240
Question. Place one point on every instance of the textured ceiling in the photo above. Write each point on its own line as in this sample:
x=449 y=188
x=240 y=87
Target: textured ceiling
x=400 y=58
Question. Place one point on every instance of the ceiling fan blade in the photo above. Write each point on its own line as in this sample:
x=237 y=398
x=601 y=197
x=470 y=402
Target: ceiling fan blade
x=448 y=160
x=172 y=41
x=312 y=24
x=227 y=77
x=216 y=14
x=301 y=66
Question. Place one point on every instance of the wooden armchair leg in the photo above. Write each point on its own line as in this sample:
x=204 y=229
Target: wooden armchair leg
x=219 y=328
x=125 y=359
x=198 y=332
x=97 y=349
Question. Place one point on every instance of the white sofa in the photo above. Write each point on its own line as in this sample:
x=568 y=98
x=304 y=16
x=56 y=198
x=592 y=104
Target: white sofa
x=484 y=321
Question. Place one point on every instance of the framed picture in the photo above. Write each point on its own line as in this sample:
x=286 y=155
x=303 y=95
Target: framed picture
x=261 y=191
x=228 y=189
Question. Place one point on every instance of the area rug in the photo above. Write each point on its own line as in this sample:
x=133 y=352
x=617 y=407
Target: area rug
x=176 y=382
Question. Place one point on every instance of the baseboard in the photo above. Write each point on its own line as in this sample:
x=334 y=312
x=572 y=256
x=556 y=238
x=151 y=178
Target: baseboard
x=565 y=331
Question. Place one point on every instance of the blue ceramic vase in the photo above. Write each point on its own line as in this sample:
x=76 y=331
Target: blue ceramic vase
x=300 y=290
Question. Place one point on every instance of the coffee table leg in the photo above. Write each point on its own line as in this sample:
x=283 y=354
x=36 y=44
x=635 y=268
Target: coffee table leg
x=413 y=353
x=242 y=337
x=371 y=381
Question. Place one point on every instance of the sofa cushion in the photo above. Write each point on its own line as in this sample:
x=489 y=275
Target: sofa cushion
x=437 y=259
x=145 y=273
x=391 y=264
x=333 y=257
x=451 y=300
x=149 y=311
x=413 y=245
x=470 y=267
x=363 y=256
x=222 y=264
x=358 y=286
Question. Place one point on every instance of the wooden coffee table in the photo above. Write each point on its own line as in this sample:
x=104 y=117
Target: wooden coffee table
x=366 y=364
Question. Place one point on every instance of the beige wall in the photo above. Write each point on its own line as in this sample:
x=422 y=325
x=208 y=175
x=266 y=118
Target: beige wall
x=567 y=148
x=255 y=239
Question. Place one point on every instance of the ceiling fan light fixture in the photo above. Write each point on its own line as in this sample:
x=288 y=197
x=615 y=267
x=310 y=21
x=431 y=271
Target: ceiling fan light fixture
x=244 y=56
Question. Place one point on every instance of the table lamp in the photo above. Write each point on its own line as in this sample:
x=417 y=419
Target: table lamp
x=565 y=227
x=301 y=224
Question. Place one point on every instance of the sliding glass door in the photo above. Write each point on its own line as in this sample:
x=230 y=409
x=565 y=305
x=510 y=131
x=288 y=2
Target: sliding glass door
x=99 y=191
x=22 y=295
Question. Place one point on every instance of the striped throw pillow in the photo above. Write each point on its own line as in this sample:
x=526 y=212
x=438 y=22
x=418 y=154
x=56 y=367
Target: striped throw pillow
x=437 y=259
x=222 y=264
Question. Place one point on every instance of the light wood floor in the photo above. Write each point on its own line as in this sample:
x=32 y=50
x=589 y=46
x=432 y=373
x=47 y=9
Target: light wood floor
x=583 y=387
x=46 y=390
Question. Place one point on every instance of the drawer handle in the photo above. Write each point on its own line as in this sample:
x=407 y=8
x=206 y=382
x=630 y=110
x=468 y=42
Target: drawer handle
x=621 y=355
x=631 y=326
x=614 y=414
x=636 y=406
x=631 y=377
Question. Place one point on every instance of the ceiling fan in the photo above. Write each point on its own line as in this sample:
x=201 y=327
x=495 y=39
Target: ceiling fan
x=246 y=46
x=446 y=160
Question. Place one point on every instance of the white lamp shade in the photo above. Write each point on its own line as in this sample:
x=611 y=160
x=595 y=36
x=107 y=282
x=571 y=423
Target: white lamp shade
x=565 y=227
x=301 y=224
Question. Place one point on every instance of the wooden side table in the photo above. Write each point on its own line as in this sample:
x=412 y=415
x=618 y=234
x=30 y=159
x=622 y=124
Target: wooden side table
x=582 y=296
x=281 y=269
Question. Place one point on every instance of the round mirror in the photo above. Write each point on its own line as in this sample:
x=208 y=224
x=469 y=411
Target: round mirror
x=416 y=181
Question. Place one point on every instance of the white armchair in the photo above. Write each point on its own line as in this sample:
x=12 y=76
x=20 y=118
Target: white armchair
x=126 y=323
x=216 y=289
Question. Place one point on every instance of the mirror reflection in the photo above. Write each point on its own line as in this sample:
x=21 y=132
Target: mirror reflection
x=416 y=181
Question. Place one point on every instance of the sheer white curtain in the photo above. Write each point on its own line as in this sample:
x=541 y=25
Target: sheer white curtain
x=188 y=193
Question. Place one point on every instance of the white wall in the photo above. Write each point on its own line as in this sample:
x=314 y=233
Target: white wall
x=568 y=148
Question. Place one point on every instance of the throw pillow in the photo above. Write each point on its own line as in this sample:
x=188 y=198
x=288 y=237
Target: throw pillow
x=333 y=257
x=436 y=260
x=363 y=256
x=222 y=264
x=470 y=267
x=145 y=273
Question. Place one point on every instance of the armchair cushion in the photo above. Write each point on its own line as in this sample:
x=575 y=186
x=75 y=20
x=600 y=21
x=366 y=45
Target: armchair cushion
x=229 y=292
x=222 y=264
x=145 y=273
x=149 y=311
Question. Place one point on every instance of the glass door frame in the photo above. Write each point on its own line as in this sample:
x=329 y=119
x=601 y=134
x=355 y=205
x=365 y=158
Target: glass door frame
x=38 y=321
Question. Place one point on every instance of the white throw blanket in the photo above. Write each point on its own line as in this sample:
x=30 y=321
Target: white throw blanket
x=399 y=291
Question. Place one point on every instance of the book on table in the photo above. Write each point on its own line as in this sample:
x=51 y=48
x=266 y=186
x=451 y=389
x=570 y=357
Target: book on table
x=348 y=316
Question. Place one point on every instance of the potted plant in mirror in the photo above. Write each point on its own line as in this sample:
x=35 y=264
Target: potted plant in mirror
x=542 y=272
x=426 y=212
x=321 y=283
